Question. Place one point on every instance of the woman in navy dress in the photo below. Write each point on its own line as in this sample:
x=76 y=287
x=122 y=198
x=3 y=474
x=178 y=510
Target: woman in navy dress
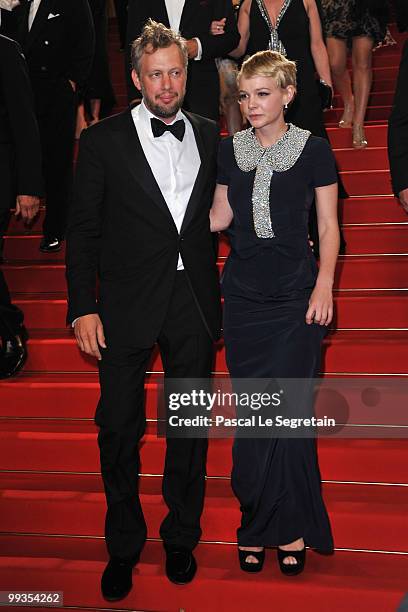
x=277 y=305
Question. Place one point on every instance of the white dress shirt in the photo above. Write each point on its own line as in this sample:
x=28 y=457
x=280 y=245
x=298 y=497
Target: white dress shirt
x=174 y=164
x=33 y=11
x=174 y=10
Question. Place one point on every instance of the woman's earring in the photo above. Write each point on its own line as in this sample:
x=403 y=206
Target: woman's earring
x=286 y=106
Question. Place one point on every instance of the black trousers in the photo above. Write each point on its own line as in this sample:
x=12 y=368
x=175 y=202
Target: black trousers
x=11 y=317
x=187 y=351
x=56 y=115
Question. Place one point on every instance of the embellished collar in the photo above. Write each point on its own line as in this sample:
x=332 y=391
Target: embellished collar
x=281 y=156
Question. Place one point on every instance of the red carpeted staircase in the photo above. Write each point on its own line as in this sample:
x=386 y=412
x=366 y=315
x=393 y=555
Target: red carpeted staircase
x=51 y=498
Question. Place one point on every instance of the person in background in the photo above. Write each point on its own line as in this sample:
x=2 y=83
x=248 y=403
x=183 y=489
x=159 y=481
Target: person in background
x=192 y=20
x=97 y=97
x=361 y=25
x=121 y=10
x=398 y=134
x=20 y=184
x=57 y=37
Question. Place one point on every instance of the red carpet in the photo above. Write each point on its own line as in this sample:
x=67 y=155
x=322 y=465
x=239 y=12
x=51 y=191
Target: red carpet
x=52 y=503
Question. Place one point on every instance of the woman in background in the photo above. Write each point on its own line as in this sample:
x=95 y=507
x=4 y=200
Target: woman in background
x=277 y=305
x=361 y=25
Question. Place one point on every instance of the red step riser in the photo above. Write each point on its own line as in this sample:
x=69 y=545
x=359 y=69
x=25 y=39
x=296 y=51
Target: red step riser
x=372 y=210
x=351 y=273
x=361 y=183
x=378 y=98
x=356 y=522
x=357 y=581
x=363 y=159
x=373 y=113
x=339 y=460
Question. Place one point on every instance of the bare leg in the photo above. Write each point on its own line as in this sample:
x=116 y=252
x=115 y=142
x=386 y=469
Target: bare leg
x=81 y=122
x=233 y=115
x=296 y=545
x=362 y=79
x=95 y=110
x=337 y=50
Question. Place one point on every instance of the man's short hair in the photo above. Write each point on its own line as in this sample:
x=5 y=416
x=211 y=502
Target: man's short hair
x=156 y=36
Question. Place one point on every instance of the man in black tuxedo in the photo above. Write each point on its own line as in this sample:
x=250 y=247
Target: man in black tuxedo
x=193 y=19
x=143 y=189
x=20 y=172
x=398 y=134
x=57 y=37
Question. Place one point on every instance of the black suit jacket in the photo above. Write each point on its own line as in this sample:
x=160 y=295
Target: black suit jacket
x=121 y=230
x=61 y=41
x=398 y=129
x=20 y=149
x=203 y=82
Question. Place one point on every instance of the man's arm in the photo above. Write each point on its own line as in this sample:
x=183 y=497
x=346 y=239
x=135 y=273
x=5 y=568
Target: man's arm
x=82 y=41
x=18 y=97
x=84 y=230
x=398 y=130
x=218 y=46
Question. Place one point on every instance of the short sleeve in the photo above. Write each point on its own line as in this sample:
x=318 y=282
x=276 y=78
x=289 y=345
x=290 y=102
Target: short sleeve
x=225 y=153
x=324 y=164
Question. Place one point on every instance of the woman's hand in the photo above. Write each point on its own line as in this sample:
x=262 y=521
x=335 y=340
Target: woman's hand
x=217 y=27
x=320 y=306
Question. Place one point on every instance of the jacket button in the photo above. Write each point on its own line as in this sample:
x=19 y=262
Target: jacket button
x=43 y=68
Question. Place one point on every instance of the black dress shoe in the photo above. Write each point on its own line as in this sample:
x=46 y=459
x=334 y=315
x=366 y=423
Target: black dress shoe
x=181 y=566
x=13 y=354
x=50 y=245
x=116 y=580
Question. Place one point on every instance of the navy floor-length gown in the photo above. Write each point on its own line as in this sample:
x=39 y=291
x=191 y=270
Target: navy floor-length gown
x=266 y=285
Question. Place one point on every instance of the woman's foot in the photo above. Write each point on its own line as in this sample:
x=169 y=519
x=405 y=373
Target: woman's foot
x=251 y=562
x=359 y=138
x=346 y=120
x=291 y=564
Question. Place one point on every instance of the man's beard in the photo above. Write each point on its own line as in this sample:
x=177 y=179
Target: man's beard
x=164 y=112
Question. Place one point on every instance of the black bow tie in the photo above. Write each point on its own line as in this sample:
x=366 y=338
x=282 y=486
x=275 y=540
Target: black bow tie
x=177 y=129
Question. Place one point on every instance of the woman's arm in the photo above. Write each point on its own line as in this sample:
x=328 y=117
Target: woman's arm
x=221 y=212
x=321 y=301
x=317 y=46
x=243 y=28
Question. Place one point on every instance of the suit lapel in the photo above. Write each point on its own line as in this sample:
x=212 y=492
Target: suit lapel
x=200 y=180
x=38 y=23
x=160 y=13
x=189 y=11
x=136 y=161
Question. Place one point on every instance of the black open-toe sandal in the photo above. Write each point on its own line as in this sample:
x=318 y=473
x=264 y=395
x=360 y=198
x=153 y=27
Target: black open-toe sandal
x=251 y=567
x=290 y=569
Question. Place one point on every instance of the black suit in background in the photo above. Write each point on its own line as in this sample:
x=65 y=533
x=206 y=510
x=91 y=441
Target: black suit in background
x=121 y=8
x=398 y=129
x=20 y=156
x=59 y=48
x=203 y=85
x=121 y=230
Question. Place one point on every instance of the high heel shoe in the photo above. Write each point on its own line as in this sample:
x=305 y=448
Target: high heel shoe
x=251 y=567
x=359 y=138
x=346 y=120
x=290 y=569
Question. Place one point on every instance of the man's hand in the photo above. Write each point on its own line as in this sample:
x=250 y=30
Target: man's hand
x=192 y=48
x=403 y=198
x=27 y=206
x=89 y=335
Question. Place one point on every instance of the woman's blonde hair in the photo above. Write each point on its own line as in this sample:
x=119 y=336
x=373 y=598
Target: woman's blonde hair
x=269 y=64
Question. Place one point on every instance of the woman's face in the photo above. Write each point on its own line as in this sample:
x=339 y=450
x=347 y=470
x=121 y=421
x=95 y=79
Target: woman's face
x=262 y=101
